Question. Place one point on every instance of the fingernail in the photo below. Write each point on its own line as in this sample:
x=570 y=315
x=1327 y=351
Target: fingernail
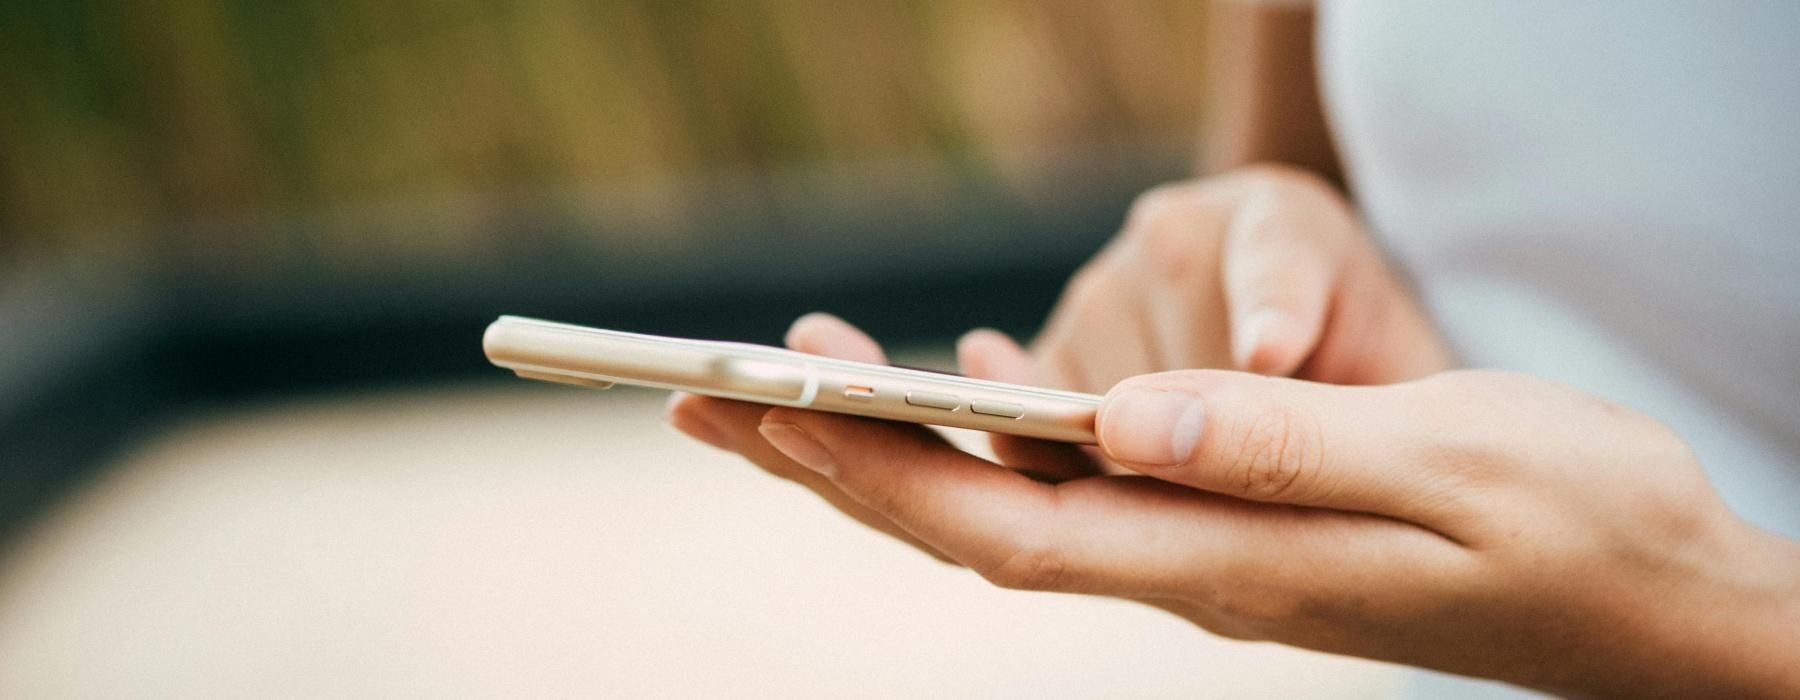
x=1153 y=427
x=799 y=446
x=1245 y=340
x=692 y=425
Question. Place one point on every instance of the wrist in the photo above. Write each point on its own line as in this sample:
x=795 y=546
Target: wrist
x=1729 y=628
x=1768 y=613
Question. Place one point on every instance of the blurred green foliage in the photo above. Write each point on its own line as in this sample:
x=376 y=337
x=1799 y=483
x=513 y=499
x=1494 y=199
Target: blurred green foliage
x=124 y=121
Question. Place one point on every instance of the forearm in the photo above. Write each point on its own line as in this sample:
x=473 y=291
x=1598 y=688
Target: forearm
x=1265 y=104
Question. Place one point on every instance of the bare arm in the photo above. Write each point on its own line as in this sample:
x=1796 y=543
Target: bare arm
x=1265 y=101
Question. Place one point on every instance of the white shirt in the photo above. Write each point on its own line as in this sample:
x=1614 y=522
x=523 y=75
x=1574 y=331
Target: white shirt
x=1605 y=194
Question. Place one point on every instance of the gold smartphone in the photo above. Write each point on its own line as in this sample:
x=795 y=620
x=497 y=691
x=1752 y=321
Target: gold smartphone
x=596 y=358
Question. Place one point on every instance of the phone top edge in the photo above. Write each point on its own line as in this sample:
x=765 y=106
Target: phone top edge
x=772 y=353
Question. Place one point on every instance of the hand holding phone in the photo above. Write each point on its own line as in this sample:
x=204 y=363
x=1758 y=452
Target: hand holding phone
x=599 y=358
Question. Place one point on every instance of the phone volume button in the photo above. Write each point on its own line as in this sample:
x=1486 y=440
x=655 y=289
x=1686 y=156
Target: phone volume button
x=1001 y=409
x=932 y=399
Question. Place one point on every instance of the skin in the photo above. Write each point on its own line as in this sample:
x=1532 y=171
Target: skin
x=1345 y=490
x=1482 y=523
x=1264 y=90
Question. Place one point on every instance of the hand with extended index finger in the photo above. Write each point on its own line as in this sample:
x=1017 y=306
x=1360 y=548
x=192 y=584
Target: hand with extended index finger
x=1264 y=269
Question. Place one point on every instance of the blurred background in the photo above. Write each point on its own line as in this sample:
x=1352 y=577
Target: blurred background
x=201 y=199
x=247 y=250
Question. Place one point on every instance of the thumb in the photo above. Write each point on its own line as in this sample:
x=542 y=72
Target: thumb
x=1278 y=440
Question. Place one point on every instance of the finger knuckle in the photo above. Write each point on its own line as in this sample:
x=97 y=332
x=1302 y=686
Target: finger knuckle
x=1179 y=254
x=1158 y=203
x=1162 y=212
x=1033 y=567
x=1679 y=503
x=1662 y=442
x=1084 y=289
x=1280 y=178
x=1275 y=455
x=1177 y=247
